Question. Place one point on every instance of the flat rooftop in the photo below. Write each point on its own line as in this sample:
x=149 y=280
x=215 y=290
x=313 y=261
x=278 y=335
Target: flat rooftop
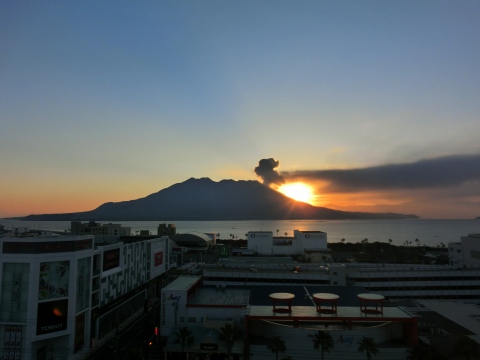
x=182 y=283
x=348 y=294
x=233 y=295
x=466 y=316
x=221 y=296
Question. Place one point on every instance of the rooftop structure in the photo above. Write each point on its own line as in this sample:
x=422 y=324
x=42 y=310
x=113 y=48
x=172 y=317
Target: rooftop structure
x=103 y=233
x=256 y=318
x=193 y=240
x=466 y=252
x=310 y=243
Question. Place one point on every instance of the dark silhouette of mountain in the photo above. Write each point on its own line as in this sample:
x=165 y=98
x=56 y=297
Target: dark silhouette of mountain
x=204 y=199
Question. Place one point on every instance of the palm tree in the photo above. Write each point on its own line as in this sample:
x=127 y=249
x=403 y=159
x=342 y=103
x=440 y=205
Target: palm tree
x=184 y=337
x=367 y=345
x=277 y=232
x=324 y=341
x=277 y=345
x=229 y=335
x=466 y=347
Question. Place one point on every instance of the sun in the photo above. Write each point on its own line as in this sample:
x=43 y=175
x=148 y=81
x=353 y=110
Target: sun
x=298 y=191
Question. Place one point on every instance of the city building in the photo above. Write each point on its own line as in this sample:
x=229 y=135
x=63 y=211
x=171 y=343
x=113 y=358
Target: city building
x=395 y=281
x=194 y=240
x=103 y=233
x=466 y=252
x=62 y=298
x=311 y=244
x=166 y=230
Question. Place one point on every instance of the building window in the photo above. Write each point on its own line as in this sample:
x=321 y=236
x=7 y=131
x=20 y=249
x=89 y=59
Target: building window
x=192 y=319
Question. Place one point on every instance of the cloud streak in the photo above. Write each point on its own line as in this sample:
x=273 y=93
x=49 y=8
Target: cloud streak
x=448 y=171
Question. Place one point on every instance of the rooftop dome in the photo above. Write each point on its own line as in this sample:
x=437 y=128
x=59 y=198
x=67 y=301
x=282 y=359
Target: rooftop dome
x=192 y=239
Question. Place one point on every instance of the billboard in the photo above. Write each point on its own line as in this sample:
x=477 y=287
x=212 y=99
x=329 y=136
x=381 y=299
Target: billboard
x=158 y=258
x=54 y=280
x=111 y=259
x=52 y=316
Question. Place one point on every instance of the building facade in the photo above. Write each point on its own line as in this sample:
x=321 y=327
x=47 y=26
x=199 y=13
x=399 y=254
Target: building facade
x=60 y=298
x=312 y=244
x=466 y=252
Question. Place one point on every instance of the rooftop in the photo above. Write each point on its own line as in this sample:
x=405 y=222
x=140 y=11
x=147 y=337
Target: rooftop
x=465 y=315
x=183 y=283
x=221 y=296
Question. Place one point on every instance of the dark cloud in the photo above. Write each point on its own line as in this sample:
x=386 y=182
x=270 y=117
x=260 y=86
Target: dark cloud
x=446 y=171
x=266 y=170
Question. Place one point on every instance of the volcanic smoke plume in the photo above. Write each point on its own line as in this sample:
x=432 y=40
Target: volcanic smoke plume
x=266 y=170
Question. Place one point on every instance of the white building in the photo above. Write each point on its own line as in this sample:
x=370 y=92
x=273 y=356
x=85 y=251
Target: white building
x=312 y=244
x=466 y=252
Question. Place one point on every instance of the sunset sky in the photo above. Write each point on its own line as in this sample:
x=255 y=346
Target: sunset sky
x=374 y=104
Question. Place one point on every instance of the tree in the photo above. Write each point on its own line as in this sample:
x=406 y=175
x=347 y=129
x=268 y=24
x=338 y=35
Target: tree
x=466 y=347
x=184 y=337
x=229 y=335
x=324 y=341
x=276 y=345
x=367 y=345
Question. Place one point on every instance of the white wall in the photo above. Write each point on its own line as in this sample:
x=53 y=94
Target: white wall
x=455 y=253
x=471 y=249
x=172 y=306
x=263 y=242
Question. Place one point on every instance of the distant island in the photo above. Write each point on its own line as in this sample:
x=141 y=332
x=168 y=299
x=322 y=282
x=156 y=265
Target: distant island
x=206 y=200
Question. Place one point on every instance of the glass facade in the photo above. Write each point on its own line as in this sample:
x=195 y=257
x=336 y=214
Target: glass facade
x=14 y=295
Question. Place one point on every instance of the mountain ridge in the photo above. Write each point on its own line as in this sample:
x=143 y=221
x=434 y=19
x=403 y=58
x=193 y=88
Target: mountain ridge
x=204 y=199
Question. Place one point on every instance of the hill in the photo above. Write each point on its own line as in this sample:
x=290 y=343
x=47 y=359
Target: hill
x=204 y=199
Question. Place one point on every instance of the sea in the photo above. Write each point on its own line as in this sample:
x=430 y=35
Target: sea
x=428 y=232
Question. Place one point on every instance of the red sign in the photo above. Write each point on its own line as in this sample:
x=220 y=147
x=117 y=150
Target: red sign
x=158 y=258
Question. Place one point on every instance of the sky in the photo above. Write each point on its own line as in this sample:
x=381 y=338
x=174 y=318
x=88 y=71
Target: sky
x=371 y=103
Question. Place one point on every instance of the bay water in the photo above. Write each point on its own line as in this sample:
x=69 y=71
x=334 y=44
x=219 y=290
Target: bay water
x=428 y=232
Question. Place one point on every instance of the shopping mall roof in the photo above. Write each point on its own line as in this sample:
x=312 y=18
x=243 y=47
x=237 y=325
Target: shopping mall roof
x=192 y=239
